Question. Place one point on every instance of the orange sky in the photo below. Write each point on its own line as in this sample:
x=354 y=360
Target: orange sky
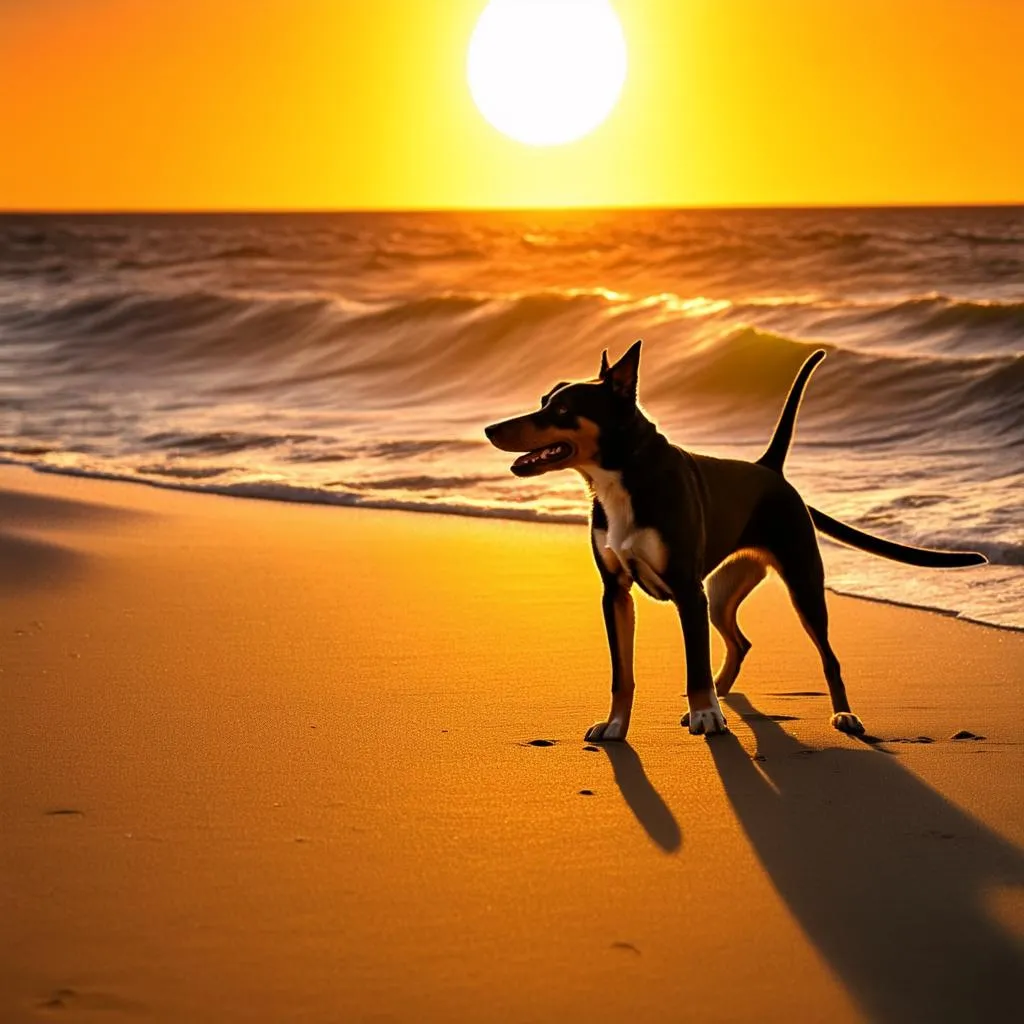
x=139 y=104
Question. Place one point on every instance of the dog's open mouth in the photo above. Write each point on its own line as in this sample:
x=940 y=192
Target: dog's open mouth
x=541 y=459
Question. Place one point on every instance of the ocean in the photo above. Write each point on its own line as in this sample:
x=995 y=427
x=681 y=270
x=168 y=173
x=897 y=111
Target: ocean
x=354 y=358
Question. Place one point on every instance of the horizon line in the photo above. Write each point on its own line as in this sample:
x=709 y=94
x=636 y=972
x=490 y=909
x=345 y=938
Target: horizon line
x=611 y=208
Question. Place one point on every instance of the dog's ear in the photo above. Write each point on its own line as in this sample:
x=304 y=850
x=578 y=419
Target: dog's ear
x=604 y=365
x=624 y=374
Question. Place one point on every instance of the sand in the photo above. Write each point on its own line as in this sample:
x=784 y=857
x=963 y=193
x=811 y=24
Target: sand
x=267 y=762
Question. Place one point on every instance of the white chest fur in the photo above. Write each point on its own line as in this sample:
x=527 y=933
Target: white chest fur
x=623 y=547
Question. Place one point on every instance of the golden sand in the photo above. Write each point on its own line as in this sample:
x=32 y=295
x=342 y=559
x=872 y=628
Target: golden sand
x=262 y=762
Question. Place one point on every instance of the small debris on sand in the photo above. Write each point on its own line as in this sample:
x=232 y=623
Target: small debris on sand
x=963 y=734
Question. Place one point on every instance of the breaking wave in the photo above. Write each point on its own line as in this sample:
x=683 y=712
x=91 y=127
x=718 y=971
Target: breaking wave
x=454 y=346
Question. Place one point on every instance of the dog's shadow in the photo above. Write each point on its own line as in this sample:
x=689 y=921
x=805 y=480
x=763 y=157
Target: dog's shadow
x=885 y=876
x=643 y=799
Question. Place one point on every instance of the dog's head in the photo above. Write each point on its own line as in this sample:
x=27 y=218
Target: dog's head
x=565 y=432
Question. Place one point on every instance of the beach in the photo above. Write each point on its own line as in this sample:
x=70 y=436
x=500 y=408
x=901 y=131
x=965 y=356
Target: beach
x=353 y=358
x=268 y=761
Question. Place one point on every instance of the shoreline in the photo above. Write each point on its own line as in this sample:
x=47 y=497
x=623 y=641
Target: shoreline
x=298 y=496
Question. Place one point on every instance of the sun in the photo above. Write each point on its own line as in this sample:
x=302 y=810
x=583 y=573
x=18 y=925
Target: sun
x=547 y=72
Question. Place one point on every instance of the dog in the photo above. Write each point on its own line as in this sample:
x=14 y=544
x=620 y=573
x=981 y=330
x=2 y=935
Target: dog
x=668 y=520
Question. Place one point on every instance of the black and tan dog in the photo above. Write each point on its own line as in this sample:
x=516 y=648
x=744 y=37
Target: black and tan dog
x=668 y=519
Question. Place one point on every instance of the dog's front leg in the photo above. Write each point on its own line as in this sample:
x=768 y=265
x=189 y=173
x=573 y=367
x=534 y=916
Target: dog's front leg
x=705 y=716
x=619 y=622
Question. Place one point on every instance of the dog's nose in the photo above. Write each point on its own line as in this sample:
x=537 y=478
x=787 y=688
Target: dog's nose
x=491 y=431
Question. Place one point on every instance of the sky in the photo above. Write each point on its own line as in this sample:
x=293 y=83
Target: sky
x=363 y=104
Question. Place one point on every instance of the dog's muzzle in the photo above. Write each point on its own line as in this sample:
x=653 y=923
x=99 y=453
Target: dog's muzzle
x=540 y=459
x=534 y=460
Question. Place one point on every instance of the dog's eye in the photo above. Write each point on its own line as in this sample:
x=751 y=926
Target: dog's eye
x=561 y=410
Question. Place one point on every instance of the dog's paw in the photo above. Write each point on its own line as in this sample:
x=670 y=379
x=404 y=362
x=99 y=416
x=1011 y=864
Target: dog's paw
x=848 y=722
x=706 y=722
x=605 y=732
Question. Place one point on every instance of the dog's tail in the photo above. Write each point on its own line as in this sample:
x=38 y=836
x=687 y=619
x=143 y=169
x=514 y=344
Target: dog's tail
x=778 y=448
x=890 y=549
x=775 y=457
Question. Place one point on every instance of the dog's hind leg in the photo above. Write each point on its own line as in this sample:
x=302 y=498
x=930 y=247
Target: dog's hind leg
x=800 y=566
x=728 y=586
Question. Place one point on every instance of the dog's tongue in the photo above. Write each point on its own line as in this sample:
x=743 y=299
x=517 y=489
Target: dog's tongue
x=540 y=457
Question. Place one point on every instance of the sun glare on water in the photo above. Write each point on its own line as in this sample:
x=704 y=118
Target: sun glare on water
x=547 y=72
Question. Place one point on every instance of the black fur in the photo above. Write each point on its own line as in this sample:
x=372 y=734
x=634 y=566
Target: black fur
x=705 y=514
x=778 y=448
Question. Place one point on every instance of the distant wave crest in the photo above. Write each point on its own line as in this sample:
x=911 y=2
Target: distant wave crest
x=443 y=346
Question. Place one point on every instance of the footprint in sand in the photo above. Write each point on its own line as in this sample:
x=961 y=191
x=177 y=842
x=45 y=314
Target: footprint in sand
x=539 y=743
x=626 y=947
x=59 y=1000
x=90 y=1002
